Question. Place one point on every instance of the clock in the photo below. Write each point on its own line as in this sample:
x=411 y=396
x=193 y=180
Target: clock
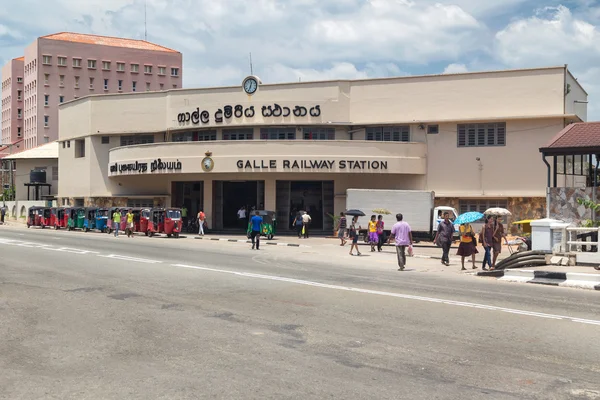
x=208 y=163
x=250 y=85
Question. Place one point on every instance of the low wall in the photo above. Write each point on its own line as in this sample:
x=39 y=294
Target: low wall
x=564 y=205
x=17 y=210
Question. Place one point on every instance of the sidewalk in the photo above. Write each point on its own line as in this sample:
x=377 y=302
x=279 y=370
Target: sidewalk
x=575 y=277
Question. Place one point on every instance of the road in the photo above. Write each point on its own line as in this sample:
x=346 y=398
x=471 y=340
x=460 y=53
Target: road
x=90 y=316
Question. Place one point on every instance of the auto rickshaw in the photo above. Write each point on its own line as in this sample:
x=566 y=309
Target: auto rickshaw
x=76 y=218
x=173 y=222
x=36 y=217
x=102 y=219
x=53 y=217
x=156 y=221
x=145 y=214
x=89 y=221
x=268 y=227
x=62 y=218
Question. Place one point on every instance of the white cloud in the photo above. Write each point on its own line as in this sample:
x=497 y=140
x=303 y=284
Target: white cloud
x=455 y=69
x=344 y=70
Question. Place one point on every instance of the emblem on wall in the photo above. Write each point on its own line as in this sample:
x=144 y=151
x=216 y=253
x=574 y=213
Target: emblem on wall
x=207 y=162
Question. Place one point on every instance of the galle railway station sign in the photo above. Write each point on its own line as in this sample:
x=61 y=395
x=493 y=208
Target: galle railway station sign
x=228 y=112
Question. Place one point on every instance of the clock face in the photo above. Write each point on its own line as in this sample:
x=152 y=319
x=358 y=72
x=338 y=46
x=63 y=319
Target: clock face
x=250 y=85
x=207 y=164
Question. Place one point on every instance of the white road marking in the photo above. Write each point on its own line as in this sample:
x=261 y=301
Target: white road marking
x=391 y=294
x=72 y=250
x=134 y=259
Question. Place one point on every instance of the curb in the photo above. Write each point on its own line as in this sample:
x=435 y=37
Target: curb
x=562 y=279
x=249 y=241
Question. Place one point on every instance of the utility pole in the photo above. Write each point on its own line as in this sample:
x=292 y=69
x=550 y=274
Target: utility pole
x=146 y=20
x=251 y=67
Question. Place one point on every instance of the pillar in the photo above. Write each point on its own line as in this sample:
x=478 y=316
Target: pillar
x=270 y=194
x=208 y=203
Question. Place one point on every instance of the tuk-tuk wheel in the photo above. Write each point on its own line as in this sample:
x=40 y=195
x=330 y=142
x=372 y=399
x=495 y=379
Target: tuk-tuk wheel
x=146 y=233
x=270 y=237
x=150 y=234
x=109 y=231
x=43 y=226
x=176 y=235
x=55 y=227
x=168 y=235
x=28 y=225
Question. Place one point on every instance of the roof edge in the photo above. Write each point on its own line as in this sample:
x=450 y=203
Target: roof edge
x=49 y=37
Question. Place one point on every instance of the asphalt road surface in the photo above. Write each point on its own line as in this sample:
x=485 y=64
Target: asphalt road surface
x=89 y=316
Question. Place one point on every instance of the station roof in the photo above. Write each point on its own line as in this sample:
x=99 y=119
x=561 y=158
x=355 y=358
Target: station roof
x=48 y=150
x=577 y=138
x=108 y=41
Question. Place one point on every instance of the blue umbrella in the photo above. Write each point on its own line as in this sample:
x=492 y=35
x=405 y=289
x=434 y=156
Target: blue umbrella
x=468 y=217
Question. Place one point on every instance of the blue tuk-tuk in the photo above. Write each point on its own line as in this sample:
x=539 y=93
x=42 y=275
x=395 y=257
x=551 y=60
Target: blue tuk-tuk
x=89 y=221
x=102 y=219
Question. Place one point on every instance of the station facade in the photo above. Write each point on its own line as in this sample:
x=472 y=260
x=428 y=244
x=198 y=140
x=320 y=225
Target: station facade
x=471 y=138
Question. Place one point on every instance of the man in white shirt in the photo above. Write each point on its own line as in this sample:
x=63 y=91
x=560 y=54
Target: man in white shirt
x=242 y=217
x=305 y=222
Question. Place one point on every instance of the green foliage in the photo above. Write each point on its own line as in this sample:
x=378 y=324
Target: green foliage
x=8 y=194
x=588 y=204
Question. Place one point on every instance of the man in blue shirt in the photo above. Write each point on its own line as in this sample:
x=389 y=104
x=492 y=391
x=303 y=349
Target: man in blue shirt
x=256 y=222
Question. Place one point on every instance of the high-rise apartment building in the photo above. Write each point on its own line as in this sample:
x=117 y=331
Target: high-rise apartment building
x=65 y=66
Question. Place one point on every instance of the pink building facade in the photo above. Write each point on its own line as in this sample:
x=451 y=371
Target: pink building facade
x=12 y=101
x=65 y=66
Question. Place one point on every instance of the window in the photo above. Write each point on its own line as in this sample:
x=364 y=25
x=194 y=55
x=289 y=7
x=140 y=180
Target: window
x=61 y=81
x=162 y=70
x=147 y=69
x=134 y=85
x=174 y=71
x=202 y=136
x=147 y=86
x=80 y=148
x=54 y=173
x=46 y=100
x=92 y=83
x=61 y=99
x=120 y=67
x=474 y=135
x=46 y=79
x=136 y=139
x=135 y=68
x=76 y=82
x=174 y=86
x=46 y=121
x=319 y=134
x=162 y=86
x=92 y=64
x=120 y=85
x=62 y=61
x=105 y=140
x=388 y=133
x=47 y=60
x=19 y=132
x=68 y=144
x=479 y=205
x=19 y=113
x=433 y=129
x=63 y=144
x=106 y=84
x=19 y=95
x=106 y=65
x=19 y=80
x=238 y=134
x=77 y=63
x=278 y=133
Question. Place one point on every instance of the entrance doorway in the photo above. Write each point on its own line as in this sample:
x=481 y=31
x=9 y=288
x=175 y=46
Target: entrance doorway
x=229 y=196
x=314 y=197
x=190 y=195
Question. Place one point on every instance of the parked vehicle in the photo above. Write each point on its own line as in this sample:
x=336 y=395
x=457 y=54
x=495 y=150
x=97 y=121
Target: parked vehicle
x=102 y=219
x=53 y=217
x=268 y=227
x=167 y=221
x=416 y=206
x=137 y=214
x=38 y=216
x=156 y=221
x=145 y=215
x=62 y=218
x=89 y=221
x=76 y=218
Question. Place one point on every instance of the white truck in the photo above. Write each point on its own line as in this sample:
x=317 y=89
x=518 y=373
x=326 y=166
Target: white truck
x=416 y=206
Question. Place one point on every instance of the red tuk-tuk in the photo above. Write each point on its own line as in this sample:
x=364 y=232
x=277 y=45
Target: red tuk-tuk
x=38 y=216
x=173 y=222
x=161 y=220
x=61 y=217
x=145 y=214
x=53 y=217
x=137 y=214
x=156 y=221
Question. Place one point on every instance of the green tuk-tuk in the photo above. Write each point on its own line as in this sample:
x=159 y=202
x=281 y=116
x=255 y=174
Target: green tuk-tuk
x=76 y=218
x=268 y=227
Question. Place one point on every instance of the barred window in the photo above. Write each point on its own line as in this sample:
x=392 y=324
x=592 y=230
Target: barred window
x=136 y=139
x=278 y=133
x=202 y=136
x=238 y=134
x=477 y=135
x=319 y=133
x=480 y=205
x=388 y=133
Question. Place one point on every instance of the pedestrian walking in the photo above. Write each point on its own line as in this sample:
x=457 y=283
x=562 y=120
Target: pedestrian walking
x=129 y=217
x=353 y=234
x=116 y=217
x=2 y=214
x=298 y=225
x=402 y=234
x=201 y=218
x=380 y=232
x=373 y=237
x=242 y=218
x=467 y=246
x=184 y=215
x=256 y=222
x=499 y=235
x=444 y=237
x=341 y=229
x=487 y=238
x=305 y=224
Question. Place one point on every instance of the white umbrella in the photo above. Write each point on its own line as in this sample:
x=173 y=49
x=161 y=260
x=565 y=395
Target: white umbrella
x=497 y=211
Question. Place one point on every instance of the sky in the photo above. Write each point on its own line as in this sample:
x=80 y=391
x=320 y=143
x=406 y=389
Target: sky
x=293 y=40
